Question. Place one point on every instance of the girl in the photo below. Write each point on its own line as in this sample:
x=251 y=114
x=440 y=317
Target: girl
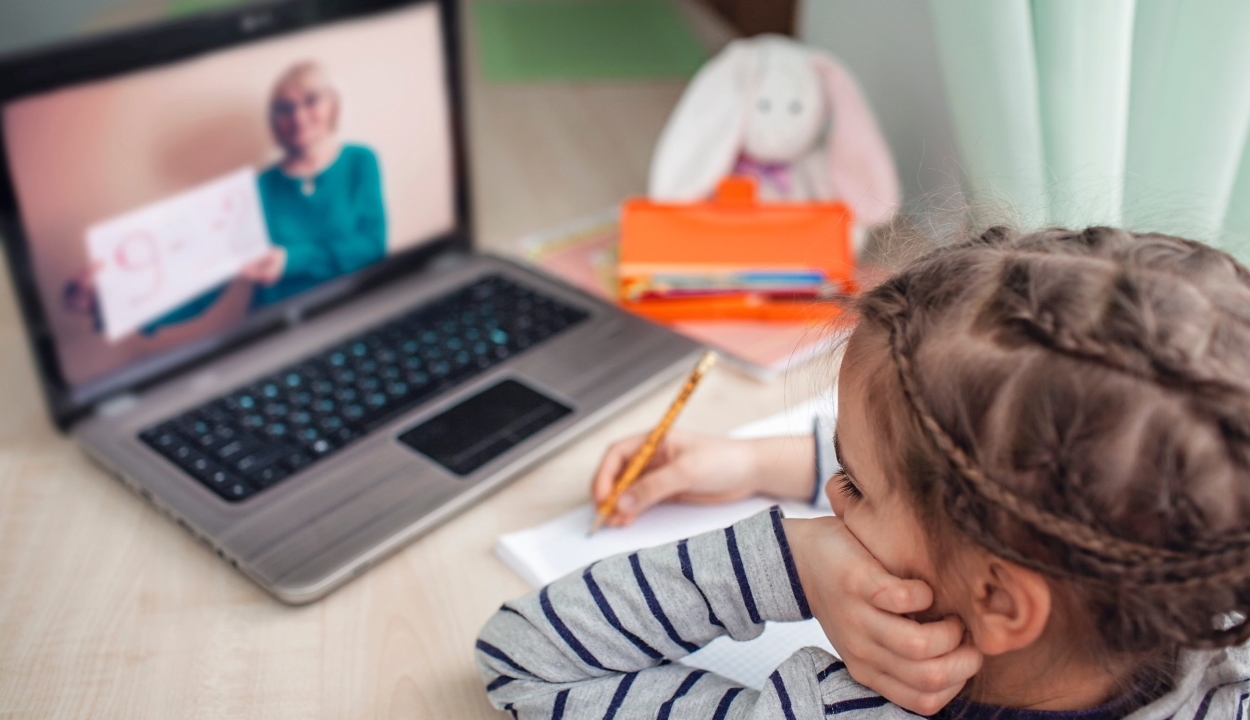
x=1051 y=431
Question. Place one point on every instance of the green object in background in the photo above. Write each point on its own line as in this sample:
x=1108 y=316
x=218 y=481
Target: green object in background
x=988 y=63
x=1084 y=66
x=1129 y=112
x=1189 y=115
x=183 y=8
x=555 y=40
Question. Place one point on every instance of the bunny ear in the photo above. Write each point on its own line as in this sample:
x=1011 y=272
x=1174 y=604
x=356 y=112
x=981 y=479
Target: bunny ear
x=701 y=141
x=861 y=168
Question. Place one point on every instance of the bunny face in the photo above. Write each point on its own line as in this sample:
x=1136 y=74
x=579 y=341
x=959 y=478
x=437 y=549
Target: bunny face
x=787 y=113
x=774 y=100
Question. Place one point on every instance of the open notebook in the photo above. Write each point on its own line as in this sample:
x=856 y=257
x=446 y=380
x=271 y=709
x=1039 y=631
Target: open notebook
x=554 y=549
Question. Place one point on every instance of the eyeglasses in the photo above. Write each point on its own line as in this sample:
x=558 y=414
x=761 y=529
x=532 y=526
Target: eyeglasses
x=310 y=101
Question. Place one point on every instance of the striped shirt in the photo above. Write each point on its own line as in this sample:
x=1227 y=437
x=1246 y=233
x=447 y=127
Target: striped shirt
x=606 y=643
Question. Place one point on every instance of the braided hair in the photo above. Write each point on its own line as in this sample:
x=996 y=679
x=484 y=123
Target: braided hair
x=1079 y=403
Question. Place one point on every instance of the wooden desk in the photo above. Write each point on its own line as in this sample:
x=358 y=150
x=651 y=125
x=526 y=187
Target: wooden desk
x=108 y=610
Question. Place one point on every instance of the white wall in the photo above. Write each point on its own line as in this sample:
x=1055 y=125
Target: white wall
x=888 y=45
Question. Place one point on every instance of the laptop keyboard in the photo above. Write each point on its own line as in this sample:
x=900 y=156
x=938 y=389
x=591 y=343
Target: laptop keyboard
x=258 y=435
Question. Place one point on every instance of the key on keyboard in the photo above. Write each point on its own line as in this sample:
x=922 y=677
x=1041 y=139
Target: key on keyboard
x=258 y=435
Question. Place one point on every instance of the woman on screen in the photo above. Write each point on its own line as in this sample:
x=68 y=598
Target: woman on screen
x=322 y=201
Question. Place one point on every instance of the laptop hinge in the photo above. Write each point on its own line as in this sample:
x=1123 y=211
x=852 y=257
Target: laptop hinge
x=447 y=261
x=293 y=315
x=117 y=405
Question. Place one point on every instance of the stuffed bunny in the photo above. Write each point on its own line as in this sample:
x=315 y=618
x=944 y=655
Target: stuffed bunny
x=790 y=116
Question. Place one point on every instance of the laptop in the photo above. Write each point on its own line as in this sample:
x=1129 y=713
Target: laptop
x=242 y=250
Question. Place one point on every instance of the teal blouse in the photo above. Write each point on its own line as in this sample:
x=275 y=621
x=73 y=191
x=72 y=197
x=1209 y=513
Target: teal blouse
x=337 y=228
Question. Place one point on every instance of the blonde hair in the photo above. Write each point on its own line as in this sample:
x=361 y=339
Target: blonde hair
x=300 y=71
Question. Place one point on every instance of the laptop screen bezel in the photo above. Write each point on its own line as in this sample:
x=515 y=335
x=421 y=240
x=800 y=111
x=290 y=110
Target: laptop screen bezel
x=113 y=55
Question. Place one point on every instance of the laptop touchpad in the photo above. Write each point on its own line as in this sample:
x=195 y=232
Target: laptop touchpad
x=467 y=436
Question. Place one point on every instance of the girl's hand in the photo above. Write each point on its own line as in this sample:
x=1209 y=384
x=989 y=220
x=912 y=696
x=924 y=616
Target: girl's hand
x=706 y=469
x=860 y=606
x=266 y=269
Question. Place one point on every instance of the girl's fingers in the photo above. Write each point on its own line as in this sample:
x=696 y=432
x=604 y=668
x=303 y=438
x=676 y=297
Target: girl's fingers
x=870 y=581
x=913 y=641
x=611 y=466
x=651 y=489
x=898 y=596
x=905 y=695
x=939 y=675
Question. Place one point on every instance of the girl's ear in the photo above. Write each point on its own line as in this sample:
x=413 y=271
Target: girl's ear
x=1010 y=606
x=701 y=141
x=861 y=168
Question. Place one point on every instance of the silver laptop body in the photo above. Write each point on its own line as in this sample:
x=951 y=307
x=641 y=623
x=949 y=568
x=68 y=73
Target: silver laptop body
x=321 y=526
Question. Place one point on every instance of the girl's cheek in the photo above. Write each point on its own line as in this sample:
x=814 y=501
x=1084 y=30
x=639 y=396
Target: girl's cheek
x=885 y=536
x=905 y=546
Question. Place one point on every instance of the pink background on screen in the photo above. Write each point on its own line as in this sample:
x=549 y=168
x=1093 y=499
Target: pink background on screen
x=86 y=153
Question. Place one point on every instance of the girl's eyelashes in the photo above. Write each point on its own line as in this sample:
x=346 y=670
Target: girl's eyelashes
x=846 y=486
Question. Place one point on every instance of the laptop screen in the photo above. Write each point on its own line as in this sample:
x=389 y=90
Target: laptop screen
x=173 y=205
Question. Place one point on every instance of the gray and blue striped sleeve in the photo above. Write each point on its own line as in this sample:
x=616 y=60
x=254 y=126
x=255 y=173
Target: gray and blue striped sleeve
x=601 y=642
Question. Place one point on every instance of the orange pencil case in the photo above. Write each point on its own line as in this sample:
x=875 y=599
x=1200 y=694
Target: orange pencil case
x=734 y=258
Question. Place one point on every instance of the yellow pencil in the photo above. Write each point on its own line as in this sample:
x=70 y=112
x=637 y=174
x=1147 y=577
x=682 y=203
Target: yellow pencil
x=640 y=459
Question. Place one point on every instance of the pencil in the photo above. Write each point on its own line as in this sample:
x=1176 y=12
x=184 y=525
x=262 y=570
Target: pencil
x=640 y=459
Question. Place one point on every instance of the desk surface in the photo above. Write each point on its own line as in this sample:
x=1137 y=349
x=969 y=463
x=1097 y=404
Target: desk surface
x=107 y=609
